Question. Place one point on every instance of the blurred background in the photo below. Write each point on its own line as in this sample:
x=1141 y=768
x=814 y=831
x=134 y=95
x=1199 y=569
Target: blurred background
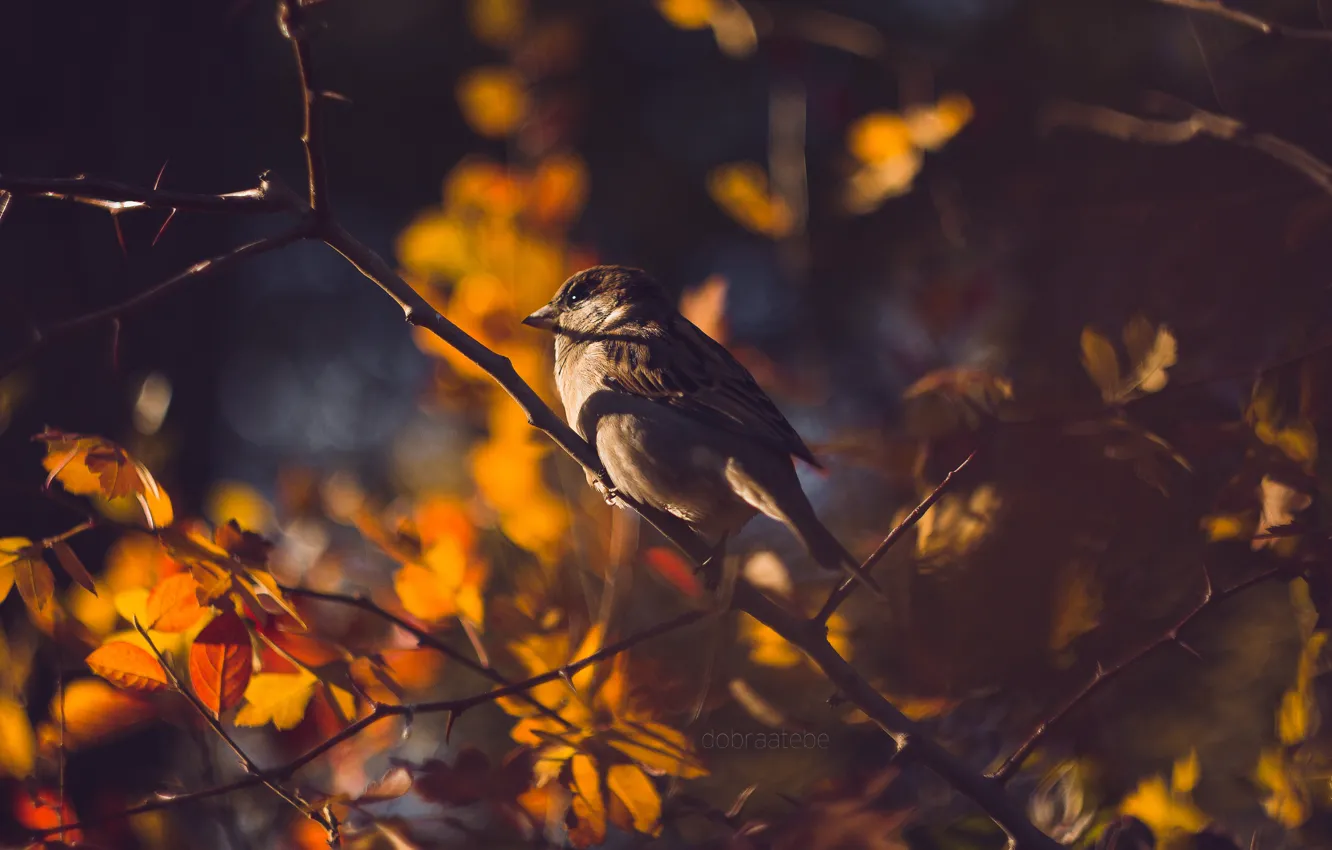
x=887 y=210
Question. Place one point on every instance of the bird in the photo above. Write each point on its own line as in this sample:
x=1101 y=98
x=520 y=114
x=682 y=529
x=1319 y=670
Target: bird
x=678 y=423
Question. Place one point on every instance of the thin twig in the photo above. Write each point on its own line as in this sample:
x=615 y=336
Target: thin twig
x=454 y=707
x=844 y=590
x=267 y=197
x=1199 y=123
x=250 y=766
x=204 y=268
x=295 y=29
x=426 y=639
x=1013 y=763
x=1253 y=22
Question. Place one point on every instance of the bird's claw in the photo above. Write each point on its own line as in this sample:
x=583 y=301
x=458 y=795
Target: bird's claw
x=610 y=494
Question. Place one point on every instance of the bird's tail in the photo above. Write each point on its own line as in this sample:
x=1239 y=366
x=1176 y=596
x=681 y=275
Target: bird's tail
x=831 y=555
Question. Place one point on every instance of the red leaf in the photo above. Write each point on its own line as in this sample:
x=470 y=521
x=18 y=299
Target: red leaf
x=671 y=566
x=220 y=659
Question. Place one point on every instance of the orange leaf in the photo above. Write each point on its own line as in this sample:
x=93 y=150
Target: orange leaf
x=45 y=810
x=94 y=712
x=173 y=606
x=94 y=466
x=71 y=564
x=374 y=682
x=220 y=662
x=128 y=666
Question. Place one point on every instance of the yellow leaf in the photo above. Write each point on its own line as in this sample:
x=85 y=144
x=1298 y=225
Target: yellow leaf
x=277 y=698
x=639 y=796
x=589 y=805
x=1184 y=773
x=35 y=583
x=493 y=100
x=879 y=137
x=123 y=488
x=871 y=185
x=235 y=500
x=10 y=549
x=1297 y=717
x=1223 y=526
x=1101 y=363
x=659 y=749
x=496 y=22
x=18 y=743
x=930 y=127
x=766 y=647
x=1077 y=605
x=741 y=189
x=1287 y=801
x=687 y=14
x=1149 y=372
x=1169 y=815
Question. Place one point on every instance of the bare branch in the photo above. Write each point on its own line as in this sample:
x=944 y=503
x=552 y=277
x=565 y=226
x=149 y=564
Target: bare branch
x=1014 y=762
x=267 y=197
x=844 y=590
x=204 y=268
x=1253 y=22
x=295 y=28
x=1131 y=128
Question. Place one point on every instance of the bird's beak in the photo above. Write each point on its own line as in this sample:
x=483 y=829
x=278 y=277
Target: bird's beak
x=543 y=319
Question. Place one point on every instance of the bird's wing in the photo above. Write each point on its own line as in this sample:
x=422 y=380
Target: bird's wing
x=691 y=372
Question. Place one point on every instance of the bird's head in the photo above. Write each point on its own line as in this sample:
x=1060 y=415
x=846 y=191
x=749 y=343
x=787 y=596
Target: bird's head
x=602 y=299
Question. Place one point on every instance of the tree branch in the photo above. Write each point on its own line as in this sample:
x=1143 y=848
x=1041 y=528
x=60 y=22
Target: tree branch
x=294 y=27
x=1253 y=22
x=267 y=197
x=426 y=639
x=844 y=590
x=204 y=268
x=1014 y=762
x=1131 y=128
x=455 y=707
x=250 y=766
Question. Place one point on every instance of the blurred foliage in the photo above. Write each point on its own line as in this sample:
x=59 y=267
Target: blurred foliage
x=859 y=202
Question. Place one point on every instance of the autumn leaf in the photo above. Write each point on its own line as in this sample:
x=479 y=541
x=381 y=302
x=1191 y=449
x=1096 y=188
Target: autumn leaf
x=35 y=582
x=12 y=549
x=1287 y=799
x=277 y=698
x=589 y=805
x=93 y=712
x=220 y=662
x=1077 y=606
x=1101 y=362
x=496 y=22
x=18 y=742
x=1297 y=716
x=1169 y=811
x=173 y=605
x=741 y=189
x=493 y=100
x=687 y=14
x=94 y=466
x=73 y=567
x=639 y=796
x=375 y=682
x=128 y=666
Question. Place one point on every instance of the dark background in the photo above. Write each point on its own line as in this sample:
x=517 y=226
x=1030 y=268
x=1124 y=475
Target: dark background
x=1009 y=244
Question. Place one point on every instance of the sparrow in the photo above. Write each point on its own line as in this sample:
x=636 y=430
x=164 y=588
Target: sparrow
x=677 y=422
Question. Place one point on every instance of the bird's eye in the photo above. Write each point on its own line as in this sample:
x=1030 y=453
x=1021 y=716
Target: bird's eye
x=575 y=295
